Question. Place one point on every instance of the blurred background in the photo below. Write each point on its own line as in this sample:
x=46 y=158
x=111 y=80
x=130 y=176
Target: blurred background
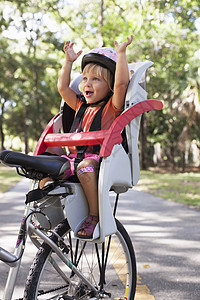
x=166 y=32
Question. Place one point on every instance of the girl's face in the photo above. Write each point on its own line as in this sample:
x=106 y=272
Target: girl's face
x=94 y=86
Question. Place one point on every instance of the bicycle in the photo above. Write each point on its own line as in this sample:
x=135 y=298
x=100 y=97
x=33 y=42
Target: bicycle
x=66 y=267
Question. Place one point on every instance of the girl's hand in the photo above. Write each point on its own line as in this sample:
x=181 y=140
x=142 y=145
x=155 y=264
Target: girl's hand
x=70 y=54
x=122 y=47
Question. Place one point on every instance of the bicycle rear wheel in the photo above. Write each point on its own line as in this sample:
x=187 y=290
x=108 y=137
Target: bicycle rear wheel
x=50 y=278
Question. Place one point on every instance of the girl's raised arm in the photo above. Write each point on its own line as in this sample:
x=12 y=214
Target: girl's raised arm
x=65 y=75
x=121 y=73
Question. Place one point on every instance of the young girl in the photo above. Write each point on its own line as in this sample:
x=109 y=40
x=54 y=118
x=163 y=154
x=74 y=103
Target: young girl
x=104 y=84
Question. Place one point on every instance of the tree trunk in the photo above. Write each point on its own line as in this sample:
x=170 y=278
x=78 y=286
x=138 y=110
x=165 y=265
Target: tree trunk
x=26 y=131
x=172 y=157
x=1 y=127
x=101 y=41
x=183 y=161
x=2 y=134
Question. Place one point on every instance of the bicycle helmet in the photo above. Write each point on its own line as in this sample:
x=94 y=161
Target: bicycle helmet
x=105 y=57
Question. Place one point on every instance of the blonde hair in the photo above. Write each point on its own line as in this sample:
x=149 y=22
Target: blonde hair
x=101 y=72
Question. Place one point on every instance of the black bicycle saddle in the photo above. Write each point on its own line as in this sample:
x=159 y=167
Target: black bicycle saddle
x=53 y=166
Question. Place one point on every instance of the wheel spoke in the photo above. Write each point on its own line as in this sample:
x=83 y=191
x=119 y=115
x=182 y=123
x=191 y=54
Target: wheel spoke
x=109 y=267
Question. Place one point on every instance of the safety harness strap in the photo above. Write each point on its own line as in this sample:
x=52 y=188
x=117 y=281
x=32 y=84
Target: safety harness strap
x=79 y=117
x=96 y=125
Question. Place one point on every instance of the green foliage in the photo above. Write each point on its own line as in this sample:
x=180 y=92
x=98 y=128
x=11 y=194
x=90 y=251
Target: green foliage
x=164 y=32
x=29 y=71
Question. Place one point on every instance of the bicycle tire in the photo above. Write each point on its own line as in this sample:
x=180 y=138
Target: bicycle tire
x=43 y=281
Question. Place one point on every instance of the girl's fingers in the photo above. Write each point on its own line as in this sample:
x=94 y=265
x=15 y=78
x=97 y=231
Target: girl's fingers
x=67 y=43
x=126 y=43
x=79 y=52
x=129 y=40
x=68 y=48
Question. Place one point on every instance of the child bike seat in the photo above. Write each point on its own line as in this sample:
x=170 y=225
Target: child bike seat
x=119 y=169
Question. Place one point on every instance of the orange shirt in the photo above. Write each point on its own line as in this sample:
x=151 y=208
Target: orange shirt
x=109 y=114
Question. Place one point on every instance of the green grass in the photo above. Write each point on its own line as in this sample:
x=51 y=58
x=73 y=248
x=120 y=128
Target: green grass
x=8 y=178
x=180 y=187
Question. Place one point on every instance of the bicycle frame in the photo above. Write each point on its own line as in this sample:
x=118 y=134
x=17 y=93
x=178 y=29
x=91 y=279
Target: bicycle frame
x=14 y=260
x=10 y=258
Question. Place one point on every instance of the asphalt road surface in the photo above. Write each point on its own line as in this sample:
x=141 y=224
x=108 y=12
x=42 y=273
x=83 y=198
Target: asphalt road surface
x=166 y=238
x=165 y=235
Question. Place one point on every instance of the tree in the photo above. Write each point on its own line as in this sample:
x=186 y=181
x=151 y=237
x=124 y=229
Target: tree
x=33 y=100
x=171 y=44
x=164 y=32
x=8 y=67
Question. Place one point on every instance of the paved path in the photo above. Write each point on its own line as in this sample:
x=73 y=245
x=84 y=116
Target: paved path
x=166 y=238
x=11 y=212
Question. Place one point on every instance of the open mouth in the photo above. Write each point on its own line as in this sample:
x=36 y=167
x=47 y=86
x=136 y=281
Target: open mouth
x=88 y=93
